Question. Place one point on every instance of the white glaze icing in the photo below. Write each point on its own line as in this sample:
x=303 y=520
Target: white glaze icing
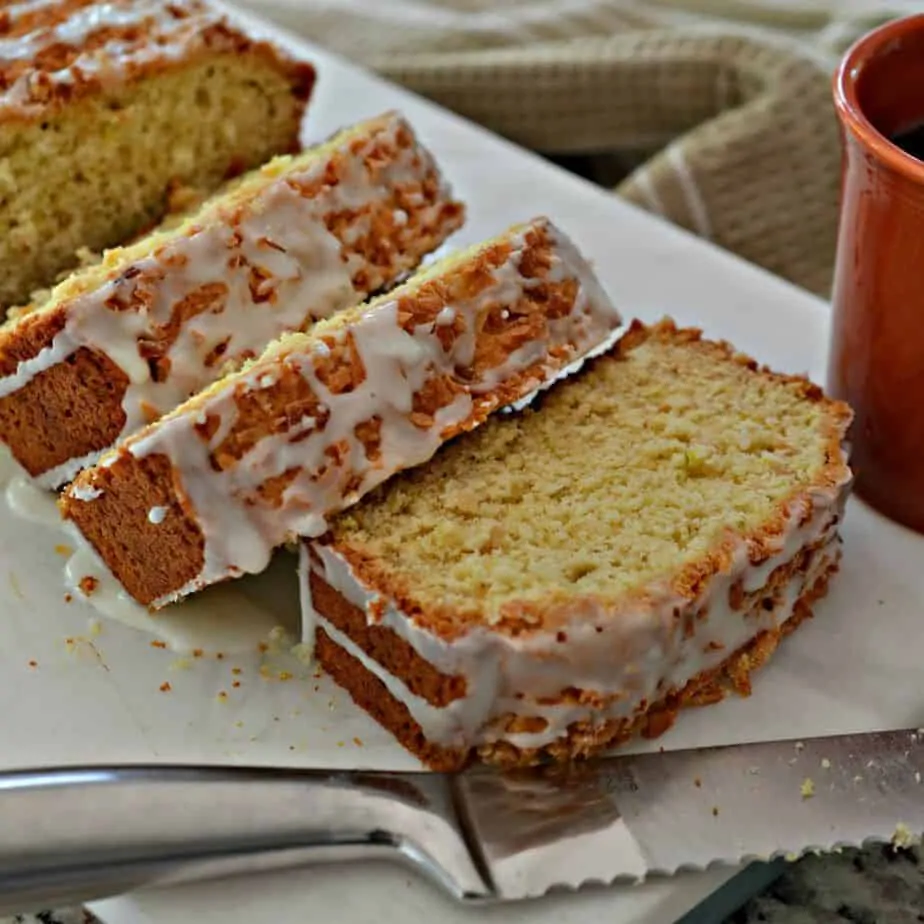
x=162 y=36
x=281 y=239
x=630 y=656
x=240 y=531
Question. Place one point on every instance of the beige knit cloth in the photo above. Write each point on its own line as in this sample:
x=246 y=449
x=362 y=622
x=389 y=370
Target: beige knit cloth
x=715 y=114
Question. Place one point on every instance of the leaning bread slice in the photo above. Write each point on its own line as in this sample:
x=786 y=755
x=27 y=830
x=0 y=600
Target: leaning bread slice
x=128 y=340
x=320 y=419
x=567 y=577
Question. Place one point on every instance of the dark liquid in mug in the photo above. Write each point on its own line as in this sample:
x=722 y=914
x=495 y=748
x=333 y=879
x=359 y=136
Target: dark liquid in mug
x=911 y=141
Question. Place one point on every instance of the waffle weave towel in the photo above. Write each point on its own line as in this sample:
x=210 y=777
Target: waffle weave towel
x=714 y=113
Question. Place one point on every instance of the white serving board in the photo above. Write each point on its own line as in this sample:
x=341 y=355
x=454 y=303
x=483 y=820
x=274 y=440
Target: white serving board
x=857 y=666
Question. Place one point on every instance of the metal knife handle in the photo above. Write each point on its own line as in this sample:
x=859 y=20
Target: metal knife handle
x=71 y=836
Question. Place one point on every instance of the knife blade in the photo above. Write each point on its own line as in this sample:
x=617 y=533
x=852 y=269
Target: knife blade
x=73 y=835
x=631 y=817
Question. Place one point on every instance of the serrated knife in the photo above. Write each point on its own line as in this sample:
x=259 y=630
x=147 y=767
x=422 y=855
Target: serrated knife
x=79 y=834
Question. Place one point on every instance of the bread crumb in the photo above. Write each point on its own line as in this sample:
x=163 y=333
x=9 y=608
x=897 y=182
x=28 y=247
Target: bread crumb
x=236 y=671
x=358 y=742
x=197 y=652
x=715 y=811
x=64 y=550
x=808 y=788
x=157 y=643
x=697 y=782
x=181 y=664
x=222 y=696
x=68 y=598
x=235 y=684
x=165 y=687
x=799 y=745
x=33 y=663
x=825 y=763
x=88 y=585
x=94 y=627
x=902 y=836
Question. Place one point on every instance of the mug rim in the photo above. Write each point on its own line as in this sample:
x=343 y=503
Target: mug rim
x=846 y=101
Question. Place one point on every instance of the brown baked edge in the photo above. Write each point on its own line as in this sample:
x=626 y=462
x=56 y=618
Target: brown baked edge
x=732 y=675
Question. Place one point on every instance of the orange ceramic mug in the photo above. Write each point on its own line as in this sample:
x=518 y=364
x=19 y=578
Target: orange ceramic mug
x=877 y=347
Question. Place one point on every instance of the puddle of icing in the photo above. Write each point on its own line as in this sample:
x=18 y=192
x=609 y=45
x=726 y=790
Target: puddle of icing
x=28 y=501
x=234 y=617
x=231 y=618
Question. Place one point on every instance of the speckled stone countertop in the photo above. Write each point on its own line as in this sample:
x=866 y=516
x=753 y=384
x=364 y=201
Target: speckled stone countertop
x=874 y=886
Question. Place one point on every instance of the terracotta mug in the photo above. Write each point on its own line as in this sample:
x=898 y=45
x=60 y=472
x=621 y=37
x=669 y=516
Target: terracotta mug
x=877 y=347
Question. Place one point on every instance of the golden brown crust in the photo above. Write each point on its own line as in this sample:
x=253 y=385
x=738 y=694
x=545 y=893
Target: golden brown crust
x=528 y=617
x=201 y=34
x=370 y=694
x=124 y=540
x=582 y=739
x=384 y=646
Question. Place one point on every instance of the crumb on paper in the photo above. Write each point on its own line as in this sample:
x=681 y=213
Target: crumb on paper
x=902 y=836
x=697 y=782
x=197 y=652
x=64 y=550
x=222 y=696
x=157 y=643
x=33 y=663
x=285 y=675
x=180 y=664
x=263 y=648
x=799 y=745
x=807 y=788
x=825 y=763
x=236 y=671
x=88 y=585
x=291 y=747
x=358 y=742
x=94 y=627
x=68 y=598
x=304 y=652
x=715 y=811
x=165 y=687
x=238 y=724
x=235 y=684
x=220 y=655
x=341 y=744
